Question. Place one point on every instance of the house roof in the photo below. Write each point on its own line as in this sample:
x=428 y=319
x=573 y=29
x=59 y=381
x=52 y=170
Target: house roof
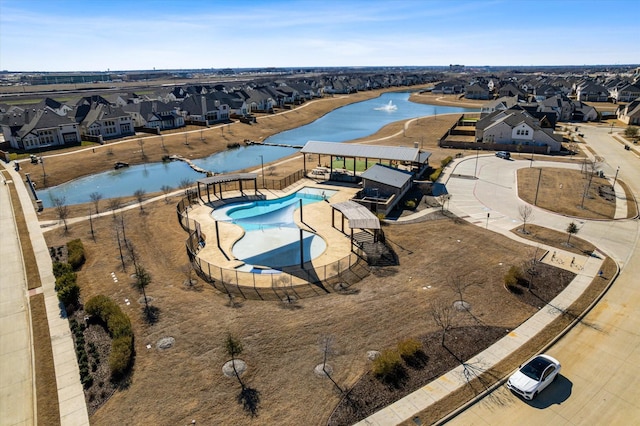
x=100 y=112
x=358 y=216
x=393 y=177
x=354 y=150
x=44 y=119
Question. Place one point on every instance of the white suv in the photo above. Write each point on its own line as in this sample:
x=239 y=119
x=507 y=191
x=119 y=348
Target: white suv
x=503 y=154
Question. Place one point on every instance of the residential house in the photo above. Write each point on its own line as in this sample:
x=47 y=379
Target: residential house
x=449 y=87
x=629 y=113
x=515 y=128
x=204 y=109
x=39 y=129
x=500 y=104
x=477 y=91
x=583 y=112
x=627 y=93
x=592 y=92
x=546 y=91
x=258 y=100
x=560 y=105
x=509 y=90
x=58 y=107
x=106 y=121
x=154 y=114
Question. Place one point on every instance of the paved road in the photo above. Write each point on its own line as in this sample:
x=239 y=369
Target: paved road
x=17 y=393
x=600 y=381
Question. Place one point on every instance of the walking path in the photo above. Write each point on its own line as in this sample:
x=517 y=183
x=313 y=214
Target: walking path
x=73 y=409
x=17 y=381
x=491 y=201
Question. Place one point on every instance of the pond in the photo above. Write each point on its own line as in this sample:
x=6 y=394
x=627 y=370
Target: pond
x=343 y=124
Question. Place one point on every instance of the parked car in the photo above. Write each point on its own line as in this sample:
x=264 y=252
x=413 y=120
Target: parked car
x=503 y=154
x=534 y=376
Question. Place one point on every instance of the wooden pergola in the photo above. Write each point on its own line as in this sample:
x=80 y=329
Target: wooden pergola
x=358 y=217
x=218 y=180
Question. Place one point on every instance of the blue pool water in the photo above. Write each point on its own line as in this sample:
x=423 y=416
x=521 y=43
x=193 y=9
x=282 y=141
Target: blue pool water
x=346 y=123
x=272 y=238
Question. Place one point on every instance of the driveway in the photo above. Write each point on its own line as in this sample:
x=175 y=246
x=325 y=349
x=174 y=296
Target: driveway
x=600 y=381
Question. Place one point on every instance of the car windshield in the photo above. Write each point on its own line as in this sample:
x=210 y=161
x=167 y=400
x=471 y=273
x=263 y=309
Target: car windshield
x=534 y=368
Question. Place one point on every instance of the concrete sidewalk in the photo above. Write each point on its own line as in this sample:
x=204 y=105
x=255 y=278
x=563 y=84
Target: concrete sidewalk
x=73 y=409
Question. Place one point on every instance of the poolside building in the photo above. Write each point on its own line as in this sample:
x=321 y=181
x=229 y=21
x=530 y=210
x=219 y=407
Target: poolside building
x=384 y=183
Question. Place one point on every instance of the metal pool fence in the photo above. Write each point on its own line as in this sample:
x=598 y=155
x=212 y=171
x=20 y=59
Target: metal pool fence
x=292 y=283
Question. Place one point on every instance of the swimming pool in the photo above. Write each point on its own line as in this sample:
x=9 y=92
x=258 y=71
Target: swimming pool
x=272 y=238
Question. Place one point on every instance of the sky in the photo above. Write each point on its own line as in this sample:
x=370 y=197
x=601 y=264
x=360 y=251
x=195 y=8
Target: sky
x=101 y=35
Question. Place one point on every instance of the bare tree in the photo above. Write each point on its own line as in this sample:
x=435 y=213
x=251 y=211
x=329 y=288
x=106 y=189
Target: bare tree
x=95 y=199
x=139 y=194
x=185 y=183
x=526 y=213
x=459 y=282
x=443 y=315
x=114 y=204
x=62 y=210
x=166 y=189
x=233 y=347
x=141 y=143
x=326 y=344
x=271 y=170
x=143 y=279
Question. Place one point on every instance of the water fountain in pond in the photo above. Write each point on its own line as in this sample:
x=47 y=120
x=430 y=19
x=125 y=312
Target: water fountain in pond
x=388 y=107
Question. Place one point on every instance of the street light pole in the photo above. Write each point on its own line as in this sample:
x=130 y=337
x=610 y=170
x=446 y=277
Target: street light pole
x=535 y=202
x=44 y=175
x=475 y=171
x=615 y=178
x=262 y=168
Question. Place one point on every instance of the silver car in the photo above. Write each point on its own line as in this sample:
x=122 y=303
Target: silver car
x=534 y=376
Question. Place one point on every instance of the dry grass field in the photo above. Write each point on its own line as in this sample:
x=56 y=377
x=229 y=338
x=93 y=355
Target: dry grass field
x=281 y=345
x=561 y=191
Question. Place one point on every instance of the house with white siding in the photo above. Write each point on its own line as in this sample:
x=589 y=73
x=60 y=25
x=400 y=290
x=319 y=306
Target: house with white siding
x=630 y=113
x=107 y=121
x=515 y=128
x=40 y=129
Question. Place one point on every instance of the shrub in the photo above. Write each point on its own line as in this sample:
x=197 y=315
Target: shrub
x=388 y=366
x=67 y=289
x=513 y=276
x=119 y=328
x=60 y=268
x=435 y=175
x=409 y=347
x=410 y=204
x=446 y=161
x=121 y=354
x=75 y=254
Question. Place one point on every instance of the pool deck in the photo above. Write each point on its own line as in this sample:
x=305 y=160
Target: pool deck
x=316 y=216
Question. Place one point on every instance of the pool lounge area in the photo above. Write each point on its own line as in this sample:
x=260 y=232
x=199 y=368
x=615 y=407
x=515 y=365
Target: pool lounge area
x=272 y=239
x=255 y=263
